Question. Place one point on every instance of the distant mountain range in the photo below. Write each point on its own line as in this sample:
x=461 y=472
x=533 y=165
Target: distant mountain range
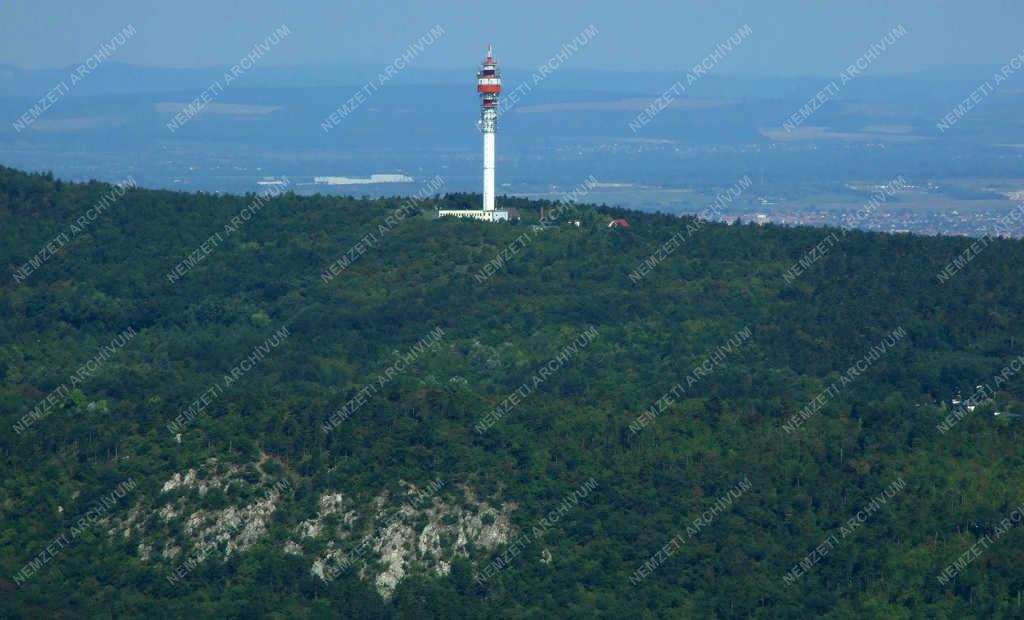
x=120 y=78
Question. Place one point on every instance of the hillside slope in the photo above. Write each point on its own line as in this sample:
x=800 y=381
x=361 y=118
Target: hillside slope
x=239 y=406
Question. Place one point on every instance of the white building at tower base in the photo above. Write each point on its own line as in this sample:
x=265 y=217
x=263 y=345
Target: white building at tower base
x=476 y=214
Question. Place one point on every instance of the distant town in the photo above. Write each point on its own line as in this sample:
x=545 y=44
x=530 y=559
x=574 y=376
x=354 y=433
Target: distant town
x=974 y=222
x=929 y=208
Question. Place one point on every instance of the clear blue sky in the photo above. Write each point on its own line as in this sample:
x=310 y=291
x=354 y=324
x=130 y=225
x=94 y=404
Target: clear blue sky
x=789 y=37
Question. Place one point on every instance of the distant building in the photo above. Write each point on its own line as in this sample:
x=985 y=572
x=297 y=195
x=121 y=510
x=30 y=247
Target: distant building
x=370 y=180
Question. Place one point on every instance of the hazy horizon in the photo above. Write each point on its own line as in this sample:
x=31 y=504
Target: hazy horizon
x=789 y=39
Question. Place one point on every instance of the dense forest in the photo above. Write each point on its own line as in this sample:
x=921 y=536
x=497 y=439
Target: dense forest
x=670 y=425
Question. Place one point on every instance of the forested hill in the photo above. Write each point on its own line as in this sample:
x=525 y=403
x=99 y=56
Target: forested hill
x=241 y=406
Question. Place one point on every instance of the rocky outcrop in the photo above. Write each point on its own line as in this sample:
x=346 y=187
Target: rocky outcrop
x=217 y=510
x=233 y=528
x=413 y=530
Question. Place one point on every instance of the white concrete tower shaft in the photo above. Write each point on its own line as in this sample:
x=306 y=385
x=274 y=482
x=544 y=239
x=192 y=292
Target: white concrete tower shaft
x=488 y=171
x=488 y=86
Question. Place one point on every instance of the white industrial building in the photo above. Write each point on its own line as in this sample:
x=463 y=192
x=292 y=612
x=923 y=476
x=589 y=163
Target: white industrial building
x=373 y=178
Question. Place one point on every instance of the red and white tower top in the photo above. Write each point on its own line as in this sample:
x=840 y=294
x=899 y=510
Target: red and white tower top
x=488 y=84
